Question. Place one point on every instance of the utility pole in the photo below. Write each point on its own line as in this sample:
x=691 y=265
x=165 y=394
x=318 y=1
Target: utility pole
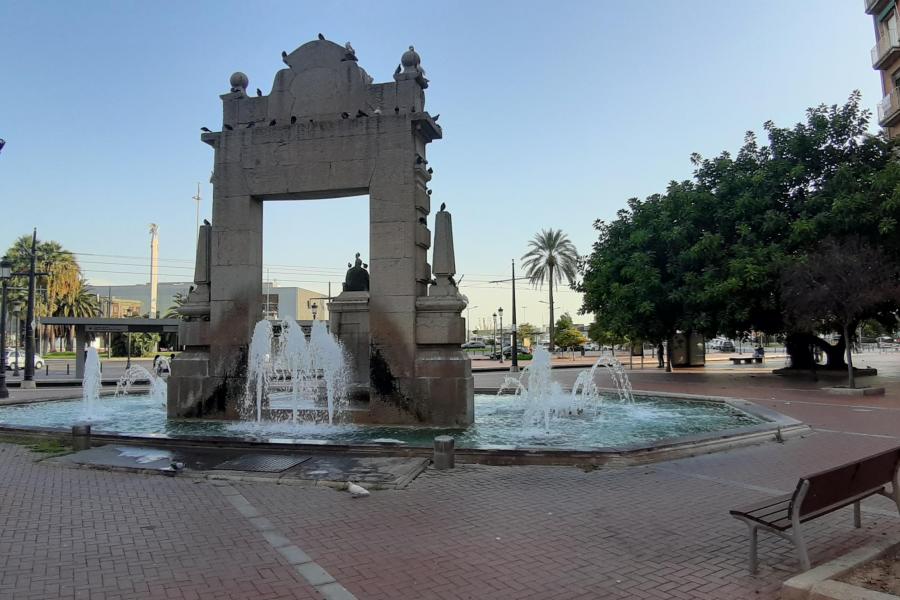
x=514 y=349
x=197 y=228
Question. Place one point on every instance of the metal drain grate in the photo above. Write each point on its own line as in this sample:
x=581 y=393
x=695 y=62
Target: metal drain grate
x=263 y=463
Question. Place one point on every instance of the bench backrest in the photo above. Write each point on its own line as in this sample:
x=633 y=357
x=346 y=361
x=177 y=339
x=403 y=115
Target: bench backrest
x=837 y=487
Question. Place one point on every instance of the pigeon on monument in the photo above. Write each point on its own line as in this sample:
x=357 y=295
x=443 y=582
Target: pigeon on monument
x=396 y=110
x=430 y=170
x=436 y=117
x=272 y=123
x=423 y=221
x=250 y=124
x=229 y=128
x=429 y=192
x=397 y=71
x=206 y=222
x=258 y=92
x=345 y=115
x=293 y=119
x=360 y=114
x=205 y=130
x=443 y=206
x=284 y=56
x=419 y=160
x=321 y=37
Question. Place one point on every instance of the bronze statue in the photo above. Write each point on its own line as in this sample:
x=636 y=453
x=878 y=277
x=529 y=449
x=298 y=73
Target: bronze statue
x=357 y=279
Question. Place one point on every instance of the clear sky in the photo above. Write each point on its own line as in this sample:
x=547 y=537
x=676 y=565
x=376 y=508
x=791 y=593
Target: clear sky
x=554 y=114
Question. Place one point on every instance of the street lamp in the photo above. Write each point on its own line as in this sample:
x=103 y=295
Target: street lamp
x=494 y=337
x=314 y=308
x=500 y=312
x=5 y=274
x=17 y=311
x=468 y=329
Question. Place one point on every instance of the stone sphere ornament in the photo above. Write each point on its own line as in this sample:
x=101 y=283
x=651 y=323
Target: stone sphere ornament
x=239 y=82
x=410 y=58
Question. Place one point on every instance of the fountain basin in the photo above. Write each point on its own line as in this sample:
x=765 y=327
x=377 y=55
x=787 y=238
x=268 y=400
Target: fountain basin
x=497 y=438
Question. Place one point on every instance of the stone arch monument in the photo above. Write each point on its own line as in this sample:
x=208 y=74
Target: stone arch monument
x=327 y=131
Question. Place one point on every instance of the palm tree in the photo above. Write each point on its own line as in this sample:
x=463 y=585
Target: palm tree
x=77 y=302
x=551 y=257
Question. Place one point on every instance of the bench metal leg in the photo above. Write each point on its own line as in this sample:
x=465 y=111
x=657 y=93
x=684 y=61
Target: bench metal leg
x=857 y=515
x=753 y=539
x=800 y=544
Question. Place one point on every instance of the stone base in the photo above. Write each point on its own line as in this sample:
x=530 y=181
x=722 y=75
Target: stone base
x=192 y=392
x=27 y=385
x=860 y=391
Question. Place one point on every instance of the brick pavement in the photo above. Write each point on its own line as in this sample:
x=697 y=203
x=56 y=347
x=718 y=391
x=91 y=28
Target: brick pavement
x=658 y=531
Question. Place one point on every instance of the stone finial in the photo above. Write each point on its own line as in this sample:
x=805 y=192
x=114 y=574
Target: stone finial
x=411 y=64
x=444 y=256
x=350 y=53
x=239 y=82
x=196 y=306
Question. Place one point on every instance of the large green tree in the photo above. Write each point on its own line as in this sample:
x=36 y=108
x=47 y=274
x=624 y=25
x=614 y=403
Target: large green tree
x=708 y=255
x=551 y=258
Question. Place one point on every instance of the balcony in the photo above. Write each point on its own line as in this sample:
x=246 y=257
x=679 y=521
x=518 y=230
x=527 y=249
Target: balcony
x=889 y=109
x=887 y=49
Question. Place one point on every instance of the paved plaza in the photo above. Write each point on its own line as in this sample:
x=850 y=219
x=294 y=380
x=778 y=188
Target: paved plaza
x=657 y=531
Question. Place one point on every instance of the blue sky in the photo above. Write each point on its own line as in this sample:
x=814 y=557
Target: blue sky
x=554 y=114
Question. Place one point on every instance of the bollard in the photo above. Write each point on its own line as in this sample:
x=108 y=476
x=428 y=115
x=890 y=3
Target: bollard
x=67 y=368
x=46 y=368
x=81 y=436
x=443 y=452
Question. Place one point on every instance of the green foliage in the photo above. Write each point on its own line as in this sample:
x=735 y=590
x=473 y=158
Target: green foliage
x=141 y=344
x=708 y=254
x=527 y=331
x=604 y=337
x=566 y=335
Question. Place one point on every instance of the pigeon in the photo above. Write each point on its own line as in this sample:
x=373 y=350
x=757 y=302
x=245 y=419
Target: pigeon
x=397 y=71
x=293 y=120
x=321 y=37
x=284 y=56
x=443 y=206
x=206 y=222
x=430 y=170
x=423 y=221
x=258 y=92
x=205 y=130
x=229 y=128
x=272 y=122
x=419 y=160
x=345 y=115
x=436 y=117
x=429 y=192
x=360 y=114
x=377 y=111
x=311 y=121
x=250 y=124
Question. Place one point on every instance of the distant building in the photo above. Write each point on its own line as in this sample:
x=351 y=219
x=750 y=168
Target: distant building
x=277 y=302
x=885 y=57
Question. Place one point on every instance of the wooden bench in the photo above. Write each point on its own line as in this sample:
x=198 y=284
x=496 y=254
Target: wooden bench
x=822 y=493
x=746 y=359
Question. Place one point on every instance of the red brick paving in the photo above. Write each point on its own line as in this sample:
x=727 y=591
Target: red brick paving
x=478 y=532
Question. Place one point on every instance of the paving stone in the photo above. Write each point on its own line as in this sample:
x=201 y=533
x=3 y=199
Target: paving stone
x=294 y=555
x=314 y=574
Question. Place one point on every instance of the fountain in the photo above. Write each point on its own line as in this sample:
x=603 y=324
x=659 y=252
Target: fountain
x=544 y=399
x=136 y=373
x=311 y=373
x=90 y=385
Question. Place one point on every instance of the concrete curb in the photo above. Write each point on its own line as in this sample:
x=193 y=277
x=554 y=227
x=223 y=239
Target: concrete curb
x=819 y=583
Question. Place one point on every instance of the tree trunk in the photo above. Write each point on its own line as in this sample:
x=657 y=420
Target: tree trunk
x=800 y=348
x=669 y=354
x=850 y=379
x=552 y=322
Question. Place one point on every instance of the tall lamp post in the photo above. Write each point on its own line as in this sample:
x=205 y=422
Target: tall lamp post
x=494 y=337
x=5 y=274
x=500 y=312
x=17 y=311
x=468 y=327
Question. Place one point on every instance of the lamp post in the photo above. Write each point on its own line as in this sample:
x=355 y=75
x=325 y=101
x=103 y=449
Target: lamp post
x=468 y=327
x=500 y=312
x=5 y=274
x=315 y=309
x=17 y=311
x=494 y=337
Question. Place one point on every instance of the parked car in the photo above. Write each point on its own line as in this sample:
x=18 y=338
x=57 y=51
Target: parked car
x=726 y=346
x=475 y=344
x=11 y=359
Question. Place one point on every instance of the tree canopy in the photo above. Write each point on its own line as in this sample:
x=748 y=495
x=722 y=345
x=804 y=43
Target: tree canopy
x=708 y=254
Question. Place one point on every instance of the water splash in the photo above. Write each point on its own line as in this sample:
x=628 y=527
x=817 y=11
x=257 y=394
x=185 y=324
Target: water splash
x=544 y=399
x=90 y=385
x=310 y=373
x=136 y=373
